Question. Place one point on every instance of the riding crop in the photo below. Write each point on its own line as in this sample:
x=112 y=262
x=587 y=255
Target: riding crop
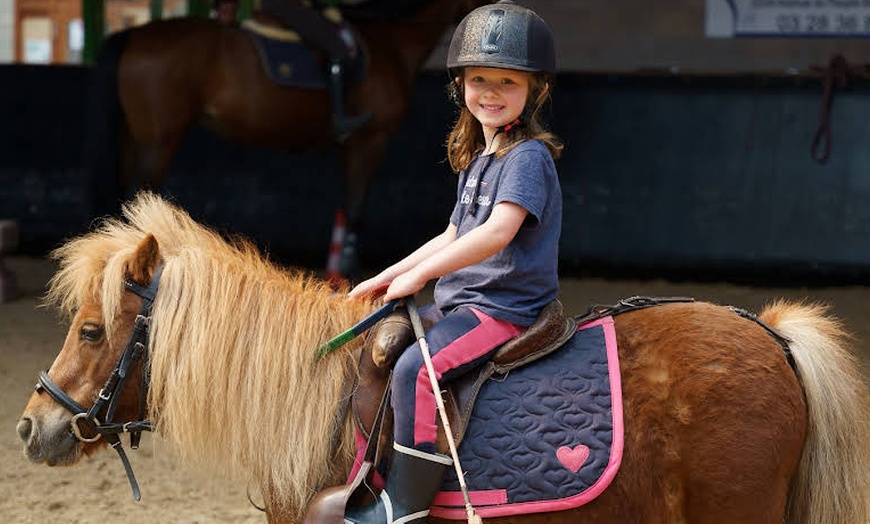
x=473 y=518
x=361 y=327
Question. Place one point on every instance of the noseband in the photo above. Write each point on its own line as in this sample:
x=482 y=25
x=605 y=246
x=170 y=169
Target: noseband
x=85 y=424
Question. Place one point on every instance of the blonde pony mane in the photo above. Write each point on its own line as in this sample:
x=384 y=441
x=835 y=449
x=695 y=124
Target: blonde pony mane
x=234 y=383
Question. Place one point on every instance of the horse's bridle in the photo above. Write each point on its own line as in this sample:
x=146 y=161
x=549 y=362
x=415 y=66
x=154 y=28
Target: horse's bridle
x=85 y=424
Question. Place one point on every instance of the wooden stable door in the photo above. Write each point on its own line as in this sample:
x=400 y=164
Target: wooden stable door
x=48 y=31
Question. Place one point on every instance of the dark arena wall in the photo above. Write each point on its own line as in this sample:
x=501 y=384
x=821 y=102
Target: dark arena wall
x=663 y=176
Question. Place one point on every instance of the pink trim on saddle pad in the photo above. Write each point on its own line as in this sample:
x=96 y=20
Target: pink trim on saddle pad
x=455 y=498
x=489 y=504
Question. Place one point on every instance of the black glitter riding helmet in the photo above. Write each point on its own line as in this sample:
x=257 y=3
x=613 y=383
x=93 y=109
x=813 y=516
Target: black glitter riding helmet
x=503 y=35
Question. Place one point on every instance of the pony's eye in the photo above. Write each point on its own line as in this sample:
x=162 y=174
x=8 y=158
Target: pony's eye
x=92 y=333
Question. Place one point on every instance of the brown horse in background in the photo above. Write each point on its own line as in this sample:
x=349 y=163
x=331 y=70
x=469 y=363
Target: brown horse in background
x=719 y=428
x=160 y=79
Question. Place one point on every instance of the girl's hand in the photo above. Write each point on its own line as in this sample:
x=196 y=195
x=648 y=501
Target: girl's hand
x=404 y=285
x=371 y=288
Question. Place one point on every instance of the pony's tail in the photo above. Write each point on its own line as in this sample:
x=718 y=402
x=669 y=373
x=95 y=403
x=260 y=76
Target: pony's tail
x=833 y=480
x=104 y=127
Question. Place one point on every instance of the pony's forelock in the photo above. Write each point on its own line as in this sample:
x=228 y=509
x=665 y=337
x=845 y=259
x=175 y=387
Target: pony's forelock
x=91 y=269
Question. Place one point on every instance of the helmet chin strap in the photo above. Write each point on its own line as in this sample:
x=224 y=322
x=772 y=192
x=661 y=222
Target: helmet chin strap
x=507 y=127
x=503 y=129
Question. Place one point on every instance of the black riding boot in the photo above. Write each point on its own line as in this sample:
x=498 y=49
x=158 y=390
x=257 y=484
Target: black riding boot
x=342 y=124
x=413 y=481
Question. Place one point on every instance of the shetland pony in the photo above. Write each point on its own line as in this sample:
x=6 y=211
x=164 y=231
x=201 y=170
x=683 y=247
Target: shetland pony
x=718 y=427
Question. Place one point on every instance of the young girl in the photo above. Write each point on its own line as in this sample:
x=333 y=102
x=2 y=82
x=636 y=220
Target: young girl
x=496 y=262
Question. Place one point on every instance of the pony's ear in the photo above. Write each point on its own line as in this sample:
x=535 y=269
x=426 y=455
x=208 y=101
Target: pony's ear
x=141 y=266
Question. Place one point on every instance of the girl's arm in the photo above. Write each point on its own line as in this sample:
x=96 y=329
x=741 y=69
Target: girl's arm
x=385 y=277
x=478 y=244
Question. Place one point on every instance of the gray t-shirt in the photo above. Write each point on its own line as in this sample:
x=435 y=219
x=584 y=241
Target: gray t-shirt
x=517 y=282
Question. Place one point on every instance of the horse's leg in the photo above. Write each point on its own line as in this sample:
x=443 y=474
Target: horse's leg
x=161 y=95
x=157 y=123
x=362 y=154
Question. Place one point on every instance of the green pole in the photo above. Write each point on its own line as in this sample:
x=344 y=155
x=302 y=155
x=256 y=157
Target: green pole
x=156 y=9
x=246 y=9
x=200 y=8
x=94 y=18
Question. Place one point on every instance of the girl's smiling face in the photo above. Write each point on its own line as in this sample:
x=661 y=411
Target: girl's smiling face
x=496 y=97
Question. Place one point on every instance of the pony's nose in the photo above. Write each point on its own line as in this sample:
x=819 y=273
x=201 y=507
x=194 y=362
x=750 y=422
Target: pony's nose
x=24 y=428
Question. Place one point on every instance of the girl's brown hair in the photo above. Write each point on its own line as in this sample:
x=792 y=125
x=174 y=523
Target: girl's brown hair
x=466 y=138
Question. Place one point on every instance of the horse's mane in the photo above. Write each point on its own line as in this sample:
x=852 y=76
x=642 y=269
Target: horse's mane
x=234 y=381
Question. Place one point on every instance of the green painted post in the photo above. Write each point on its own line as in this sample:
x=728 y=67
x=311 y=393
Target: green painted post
x=200 y=8
x=246 y=10
x=156 y=9
x=94 y=18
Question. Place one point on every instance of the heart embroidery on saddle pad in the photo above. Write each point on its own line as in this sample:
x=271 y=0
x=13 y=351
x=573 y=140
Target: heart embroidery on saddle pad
x=573 y=458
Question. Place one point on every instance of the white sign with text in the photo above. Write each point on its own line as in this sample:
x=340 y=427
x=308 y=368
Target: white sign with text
x=788 y=18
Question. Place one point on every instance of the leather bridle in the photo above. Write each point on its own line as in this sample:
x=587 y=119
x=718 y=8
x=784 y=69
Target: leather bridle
x=86 y=424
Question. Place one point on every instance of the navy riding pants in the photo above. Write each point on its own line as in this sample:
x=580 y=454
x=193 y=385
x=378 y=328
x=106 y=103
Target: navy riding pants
x=458 y=343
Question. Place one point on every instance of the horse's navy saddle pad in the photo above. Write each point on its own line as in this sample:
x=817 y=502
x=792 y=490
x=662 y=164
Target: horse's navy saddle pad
x=290 y=62
x=545 y=437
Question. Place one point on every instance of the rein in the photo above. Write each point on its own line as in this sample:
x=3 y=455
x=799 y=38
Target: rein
x=85 y=424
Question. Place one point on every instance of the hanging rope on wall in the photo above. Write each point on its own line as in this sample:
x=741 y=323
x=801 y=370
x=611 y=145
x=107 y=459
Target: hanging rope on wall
x=835 y=76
